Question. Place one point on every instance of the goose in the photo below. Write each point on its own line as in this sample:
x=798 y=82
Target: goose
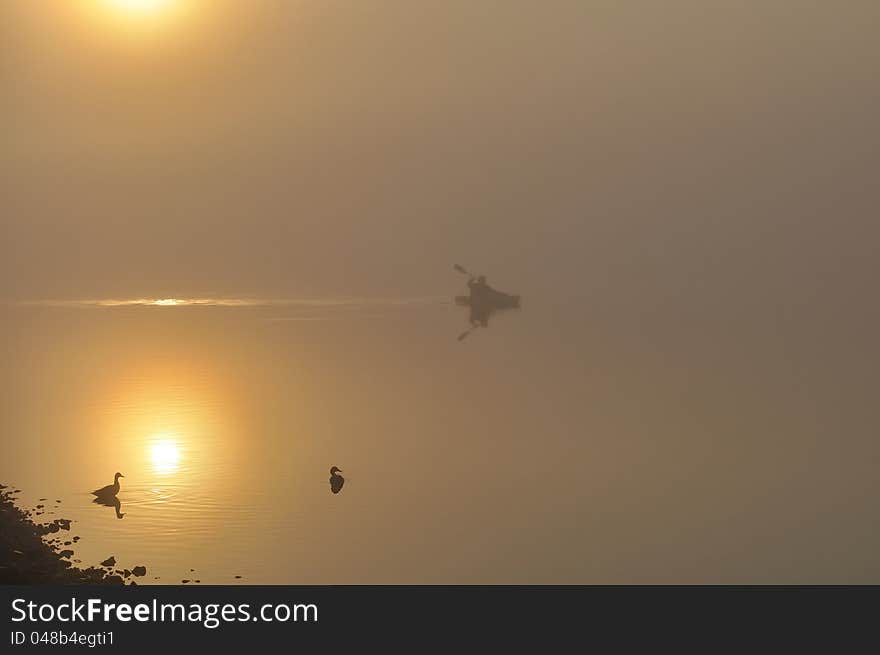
x=336 y=480
x=110 y=489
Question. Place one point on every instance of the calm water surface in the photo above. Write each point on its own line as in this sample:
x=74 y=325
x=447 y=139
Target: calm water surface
x=546 y=448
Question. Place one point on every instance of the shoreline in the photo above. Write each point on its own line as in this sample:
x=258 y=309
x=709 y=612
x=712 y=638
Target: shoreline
x=26 y=558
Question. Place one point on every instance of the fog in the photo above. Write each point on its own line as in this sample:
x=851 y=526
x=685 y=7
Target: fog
x=683 y=192
x=620 y=152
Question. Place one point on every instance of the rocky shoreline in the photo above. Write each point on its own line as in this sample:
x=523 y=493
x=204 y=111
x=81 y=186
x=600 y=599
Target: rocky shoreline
x=41 y=553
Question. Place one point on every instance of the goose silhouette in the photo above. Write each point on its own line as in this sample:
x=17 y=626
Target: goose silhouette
x=111 y=489
x=336 y=480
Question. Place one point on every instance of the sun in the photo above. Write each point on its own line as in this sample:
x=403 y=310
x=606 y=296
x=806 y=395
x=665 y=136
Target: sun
x=140 y=6
x=144 y=23
x=165 y=456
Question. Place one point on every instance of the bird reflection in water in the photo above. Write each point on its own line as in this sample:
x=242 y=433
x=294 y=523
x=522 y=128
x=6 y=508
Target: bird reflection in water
x=110 y=501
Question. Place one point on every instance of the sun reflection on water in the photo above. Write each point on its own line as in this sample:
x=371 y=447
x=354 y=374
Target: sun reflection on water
x=164 y=455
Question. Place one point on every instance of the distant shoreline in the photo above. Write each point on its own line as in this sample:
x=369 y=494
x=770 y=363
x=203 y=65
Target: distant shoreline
x=29 y=559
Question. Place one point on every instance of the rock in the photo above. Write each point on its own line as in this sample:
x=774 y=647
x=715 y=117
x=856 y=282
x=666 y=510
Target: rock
x=110 y=561
x=33 y=553
x=139 y=571
x=126 y=573
x=238 y=577
x=184 y=581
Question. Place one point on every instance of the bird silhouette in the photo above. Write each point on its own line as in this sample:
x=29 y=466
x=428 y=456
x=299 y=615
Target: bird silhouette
x=111 y=489
x=336 y=480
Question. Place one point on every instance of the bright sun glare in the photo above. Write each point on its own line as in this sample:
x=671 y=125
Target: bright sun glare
x=165 y=456
x=140 y=6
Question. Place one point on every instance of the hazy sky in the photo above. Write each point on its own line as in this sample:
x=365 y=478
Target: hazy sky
x=640 y=150
x=684 y=192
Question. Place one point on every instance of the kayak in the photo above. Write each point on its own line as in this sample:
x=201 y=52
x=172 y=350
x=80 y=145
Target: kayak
x=493 y=300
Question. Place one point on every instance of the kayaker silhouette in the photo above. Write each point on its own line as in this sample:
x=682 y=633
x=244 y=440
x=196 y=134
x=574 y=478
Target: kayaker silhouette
x=483 y=301
x=479 y=289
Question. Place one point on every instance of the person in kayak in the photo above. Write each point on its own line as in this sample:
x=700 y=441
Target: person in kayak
x=479 y=289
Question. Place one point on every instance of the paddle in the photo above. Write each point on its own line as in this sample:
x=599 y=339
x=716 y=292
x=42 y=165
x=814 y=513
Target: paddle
x=463 y=335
